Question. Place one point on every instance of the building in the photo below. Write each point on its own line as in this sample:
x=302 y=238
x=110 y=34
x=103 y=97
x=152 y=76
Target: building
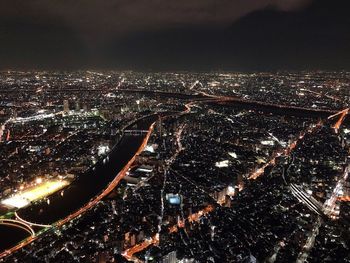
x=65 y=106
x=170 y=258
x=77 y=105
x=2 y=128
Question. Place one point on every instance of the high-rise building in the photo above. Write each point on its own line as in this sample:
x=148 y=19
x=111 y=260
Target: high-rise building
x=65 y=106
x=85 y=107
x=170 y=258
x=2 y=128
x=133 y=240
x=77 y=105
x=159 y=126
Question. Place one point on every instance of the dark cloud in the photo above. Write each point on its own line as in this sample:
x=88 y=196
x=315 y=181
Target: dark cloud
x=175 y=34
x=100 y=19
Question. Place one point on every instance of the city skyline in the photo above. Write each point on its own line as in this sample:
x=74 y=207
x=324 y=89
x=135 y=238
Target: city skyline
x=105 y=166
x=186 y=131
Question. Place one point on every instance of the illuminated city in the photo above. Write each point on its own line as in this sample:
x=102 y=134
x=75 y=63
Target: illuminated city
x=188 y=131
x=174 y=165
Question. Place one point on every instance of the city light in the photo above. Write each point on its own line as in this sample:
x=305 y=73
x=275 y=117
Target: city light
x=24 y=198
x=220 y=166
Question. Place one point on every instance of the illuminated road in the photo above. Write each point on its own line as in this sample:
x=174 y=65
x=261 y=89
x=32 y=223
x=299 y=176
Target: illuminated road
x=19 y=224
x=330 y=204
x=342 y=114
x=88 y=189
x=89 y=185
x=284 y=152
x=12 y=233
x=322 y=95
x=328 y=209
x=130 y=252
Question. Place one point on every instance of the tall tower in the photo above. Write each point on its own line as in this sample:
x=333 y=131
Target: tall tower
x=65 y=106
x=77 y=105
x=159 y=127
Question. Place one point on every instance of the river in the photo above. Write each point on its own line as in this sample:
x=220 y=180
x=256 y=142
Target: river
x=82 y=190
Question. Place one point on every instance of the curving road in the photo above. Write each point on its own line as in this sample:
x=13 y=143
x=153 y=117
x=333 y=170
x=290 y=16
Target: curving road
x=83 y=193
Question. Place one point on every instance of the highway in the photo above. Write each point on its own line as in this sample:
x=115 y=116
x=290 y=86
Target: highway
x=286 y=151
x=88 y=189
x=129 y=253
x=12 y=233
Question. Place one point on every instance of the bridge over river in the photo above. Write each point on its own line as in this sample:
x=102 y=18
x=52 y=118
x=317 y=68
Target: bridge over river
x=81 y=194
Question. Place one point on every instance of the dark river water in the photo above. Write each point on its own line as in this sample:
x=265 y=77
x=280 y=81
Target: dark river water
x=10 y=236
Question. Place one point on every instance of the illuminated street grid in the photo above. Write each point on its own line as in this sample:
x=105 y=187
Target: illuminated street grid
x=244 y=167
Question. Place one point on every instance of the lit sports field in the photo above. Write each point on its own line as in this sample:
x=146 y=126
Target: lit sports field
x=34 y=193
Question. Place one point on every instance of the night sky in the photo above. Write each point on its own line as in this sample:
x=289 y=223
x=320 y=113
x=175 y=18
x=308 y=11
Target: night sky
x=239 y=35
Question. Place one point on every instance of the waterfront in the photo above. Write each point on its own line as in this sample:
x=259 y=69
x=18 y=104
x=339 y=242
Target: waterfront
x=84 y=189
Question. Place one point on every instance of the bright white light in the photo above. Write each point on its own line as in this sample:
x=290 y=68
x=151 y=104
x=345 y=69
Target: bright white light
x=230 y=191
x=222 y=164
x=102 y=150
x=16 y=201
x=233 y=155
x=149 y=148
x=38 y=180
x=24 y=198
x=268 y=142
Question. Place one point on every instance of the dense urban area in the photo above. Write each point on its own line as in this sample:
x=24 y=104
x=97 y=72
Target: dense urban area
x=174 y=167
